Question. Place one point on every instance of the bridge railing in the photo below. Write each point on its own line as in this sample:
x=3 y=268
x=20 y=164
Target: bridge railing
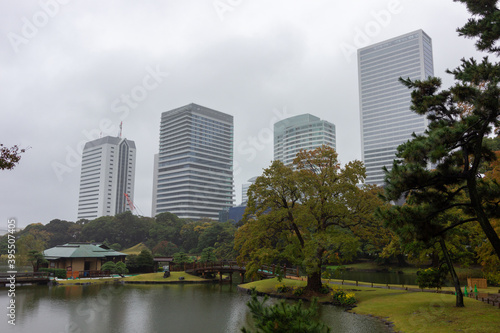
x=21 y=276
x=233 y=265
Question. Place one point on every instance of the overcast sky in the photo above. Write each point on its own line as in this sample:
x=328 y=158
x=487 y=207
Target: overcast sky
x=70 y=70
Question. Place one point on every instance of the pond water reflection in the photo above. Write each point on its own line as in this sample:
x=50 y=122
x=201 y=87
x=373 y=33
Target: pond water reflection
x=148 y=308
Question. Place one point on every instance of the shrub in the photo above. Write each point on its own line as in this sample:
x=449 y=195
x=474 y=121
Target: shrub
x=299 y=291
x=58 y=272
x=342 y=298
x=284 y=317
x=493 y=278
x=121 y=268
x=431 y=277
x=324 y=289
x=282 y=288
x=109 y=266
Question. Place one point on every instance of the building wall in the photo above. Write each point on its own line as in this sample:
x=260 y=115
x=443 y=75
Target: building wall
x=244 y=189
x=107 y=172
x=303 y=132
x=194 y=178
x=78 y=264
x=386 y=118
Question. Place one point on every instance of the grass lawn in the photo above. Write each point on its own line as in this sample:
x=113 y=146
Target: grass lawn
x=158 y=277
x=91 y=281
x=427 y=312
x=413 y=311
x=150 y=277
x=136 y=249
x=462 y=272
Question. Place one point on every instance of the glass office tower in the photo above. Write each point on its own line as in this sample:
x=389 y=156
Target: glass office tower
x=193 y=174
x=386 y=118
x=305 y=132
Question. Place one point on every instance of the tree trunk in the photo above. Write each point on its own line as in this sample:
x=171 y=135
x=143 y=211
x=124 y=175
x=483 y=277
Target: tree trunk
x=481 y=216
x=456 y=282
x=435 y=258
x=401 y=260
x=314 y=281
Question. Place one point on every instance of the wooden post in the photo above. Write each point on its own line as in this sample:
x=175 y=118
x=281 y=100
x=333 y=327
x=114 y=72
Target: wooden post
x=356 y=283
x=274 y=269
x=220 y=276
x=242 y=277
x=372 y=284
x=297 y=271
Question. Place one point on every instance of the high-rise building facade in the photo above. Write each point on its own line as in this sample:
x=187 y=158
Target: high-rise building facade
x=386 y=118
x=302 y=132
x=244 y=189
x=108 y=173
x=194 y=168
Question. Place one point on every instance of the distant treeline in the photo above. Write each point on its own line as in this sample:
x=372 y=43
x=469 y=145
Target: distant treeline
x=165 y=235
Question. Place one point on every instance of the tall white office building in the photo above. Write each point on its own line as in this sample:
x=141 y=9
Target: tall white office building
x=386 y=118
x=193 y=176
x=107 y=174
x=244 y=189
x=302 y=132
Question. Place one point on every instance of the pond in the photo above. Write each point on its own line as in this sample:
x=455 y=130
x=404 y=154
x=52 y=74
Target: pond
x=148 y=308
x=379 y=277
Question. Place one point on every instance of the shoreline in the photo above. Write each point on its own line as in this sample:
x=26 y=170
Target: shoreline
x=388 y=324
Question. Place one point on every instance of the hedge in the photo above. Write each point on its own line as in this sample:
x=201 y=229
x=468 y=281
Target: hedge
x=58 y=272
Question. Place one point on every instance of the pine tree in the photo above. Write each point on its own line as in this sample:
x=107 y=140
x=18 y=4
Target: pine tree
x=461 y=118
x=438 y=172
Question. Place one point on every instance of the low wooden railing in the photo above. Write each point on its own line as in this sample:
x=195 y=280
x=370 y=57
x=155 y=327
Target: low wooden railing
x=234 y=266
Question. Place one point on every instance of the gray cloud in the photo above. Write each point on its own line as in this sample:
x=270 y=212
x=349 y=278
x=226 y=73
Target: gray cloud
x=264 y=59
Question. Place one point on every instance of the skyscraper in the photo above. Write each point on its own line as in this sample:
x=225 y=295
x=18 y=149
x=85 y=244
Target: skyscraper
x=194 y=168
x=244 y=189
x=108 y=172
x=301 y=132
x=386 y=118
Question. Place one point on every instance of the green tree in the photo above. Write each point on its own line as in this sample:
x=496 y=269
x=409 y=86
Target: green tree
x=109 y=266
x=460 y=118
x=167 y=227
x=165 y=248
x=31 y=240
x=121 y=268
x=115 y=246
x=208 y=255
x=209 y=235
x=190 y=232
x=304 y=214
x=36 y=259
x=182 y=258
x=284 y=317
x=145 y=261
x=224 y=246
x=131 y=263
x=61 y=232
x=418 y=229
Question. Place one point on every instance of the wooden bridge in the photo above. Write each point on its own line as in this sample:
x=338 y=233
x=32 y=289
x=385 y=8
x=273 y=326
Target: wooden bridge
x=230 y=267
x=38 y=278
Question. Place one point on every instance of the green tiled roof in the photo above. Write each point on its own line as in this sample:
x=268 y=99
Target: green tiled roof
x=80 y=250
